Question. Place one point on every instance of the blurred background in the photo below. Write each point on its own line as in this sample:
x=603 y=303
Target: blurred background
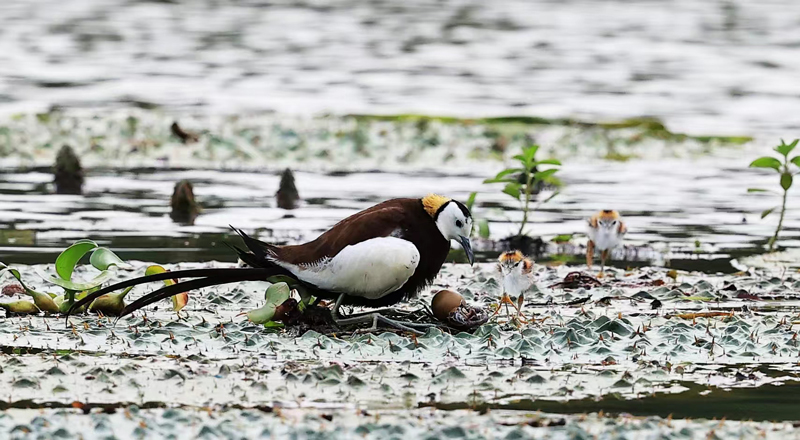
x=264 y=85
x=722 y=66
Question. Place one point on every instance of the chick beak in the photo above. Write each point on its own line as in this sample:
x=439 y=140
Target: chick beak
x=467 y=248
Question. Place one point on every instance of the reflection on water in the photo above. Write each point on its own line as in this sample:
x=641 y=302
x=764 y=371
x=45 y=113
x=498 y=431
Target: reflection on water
x=727 y=66
x=686 y=214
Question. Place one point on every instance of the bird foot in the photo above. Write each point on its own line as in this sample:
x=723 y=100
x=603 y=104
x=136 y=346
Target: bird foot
x=507 y=301
x=376 y=319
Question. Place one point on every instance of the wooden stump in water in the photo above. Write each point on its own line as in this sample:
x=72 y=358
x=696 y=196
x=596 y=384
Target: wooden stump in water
x=287 y=195
x=184 y=208
x=68 y=172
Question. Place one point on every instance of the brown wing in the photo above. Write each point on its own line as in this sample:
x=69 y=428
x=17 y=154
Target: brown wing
x=382 y=220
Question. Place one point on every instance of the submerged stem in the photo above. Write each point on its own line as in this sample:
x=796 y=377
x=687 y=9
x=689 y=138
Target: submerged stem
x=780 y=222
x=528 y=184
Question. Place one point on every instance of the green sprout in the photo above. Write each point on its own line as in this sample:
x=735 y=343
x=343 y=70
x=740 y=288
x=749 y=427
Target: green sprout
x=522 y=181
x=786 y=178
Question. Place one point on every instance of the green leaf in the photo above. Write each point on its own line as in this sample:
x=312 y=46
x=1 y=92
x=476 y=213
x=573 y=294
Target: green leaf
x=796 y=160
x=156 y=269
x=766 y=162
x=508 y=171
x=501 y=176
x=103 y=258
x=69 y=258
x=530 y=153
x=786 y=181
x=767 y=212
x=276 y=295
x=757 y=190
x=76 y=286
x=512 y=189
x=544 y=175
x=483 y=228
x=562 y=238
x=180 y=300
x=471 y=200
x=784 y=148
x=273 y=324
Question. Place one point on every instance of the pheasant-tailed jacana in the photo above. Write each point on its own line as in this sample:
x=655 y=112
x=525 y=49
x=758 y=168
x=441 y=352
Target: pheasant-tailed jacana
x=605 y=232
x=374 y=258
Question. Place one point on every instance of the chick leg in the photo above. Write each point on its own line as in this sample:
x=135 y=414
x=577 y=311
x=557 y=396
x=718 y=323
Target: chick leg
x=589 y=254
x=603 y=256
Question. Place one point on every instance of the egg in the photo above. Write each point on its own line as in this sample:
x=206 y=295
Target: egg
x=444 y=303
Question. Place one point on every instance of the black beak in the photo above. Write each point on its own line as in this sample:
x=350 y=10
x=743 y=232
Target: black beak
x=467 y=248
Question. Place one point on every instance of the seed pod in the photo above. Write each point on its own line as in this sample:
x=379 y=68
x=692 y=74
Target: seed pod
x=20 y=307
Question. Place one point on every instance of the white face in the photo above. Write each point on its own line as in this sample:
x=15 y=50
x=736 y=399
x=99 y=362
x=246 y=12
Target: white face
x=452 y=223
x=508 y=267
x=608 y=225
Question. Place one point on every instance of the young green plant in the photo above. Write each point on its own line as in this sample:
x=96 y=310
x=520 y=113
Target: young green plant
x=521 y=181
x=786 y=172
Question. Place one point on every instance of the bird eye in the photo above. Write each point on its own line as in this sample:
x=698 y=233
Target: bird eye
x=459 y=224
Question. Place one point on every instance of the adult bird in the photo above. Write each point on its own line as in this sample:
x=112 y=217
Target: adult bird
x=377 y=257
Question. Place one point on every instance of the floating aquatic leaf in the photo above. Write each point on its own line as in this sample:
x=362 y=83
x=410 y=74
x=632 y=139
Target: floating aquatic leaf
x=103 y=258
x=275 y=295
x=77 y=286
x=69 y=258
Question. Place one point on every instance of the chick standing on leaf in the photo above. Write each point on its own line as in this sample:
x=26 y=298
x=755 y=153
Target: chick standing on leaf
x=518 y=277
x=605 y=232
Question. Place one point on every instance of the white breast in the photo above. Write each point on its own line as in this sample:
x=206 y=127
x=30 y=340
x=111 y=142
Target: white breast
x=370 y=269
x=604 y=238
x=517 y=282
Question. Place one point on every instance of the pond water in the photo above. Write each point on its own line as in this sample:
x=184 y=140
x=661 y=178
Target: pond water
x=266 y=85
x=727 y=66
x=696 y=217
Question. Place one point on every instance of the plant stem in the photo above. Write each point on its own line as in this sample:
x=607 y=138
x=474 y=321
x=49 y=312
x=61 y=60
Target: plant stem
x=527 y=201
x=780 y=222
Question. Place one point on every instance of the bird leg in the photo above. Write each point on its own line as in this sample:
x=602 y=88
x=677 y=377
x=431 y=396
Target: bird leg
x=520 y=301
x=374 y=318
x=505 y=300
x=603 y=256
x=589 y=254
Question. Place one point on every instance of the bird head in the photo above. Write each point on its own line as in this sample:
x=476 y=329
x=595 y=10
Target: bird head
x=609 y=220
x=453 y=220
x=514 y=261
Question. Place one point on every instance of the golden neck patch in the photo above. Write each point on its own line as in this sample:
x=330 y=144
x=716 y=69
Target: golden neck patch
x=432 y=203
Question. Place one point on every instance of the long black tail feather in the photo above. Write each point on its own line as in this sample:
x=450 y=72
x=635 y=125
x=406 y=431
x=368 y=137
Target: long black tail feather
x=248 y=257
x=185 y=286
x=244 y=274
x=257 y=256
x=260 y=249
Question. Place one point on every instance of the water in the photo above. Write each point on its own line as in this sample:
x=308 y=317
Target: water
x=723 y=66
x=720 y=67
x=696 y=217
